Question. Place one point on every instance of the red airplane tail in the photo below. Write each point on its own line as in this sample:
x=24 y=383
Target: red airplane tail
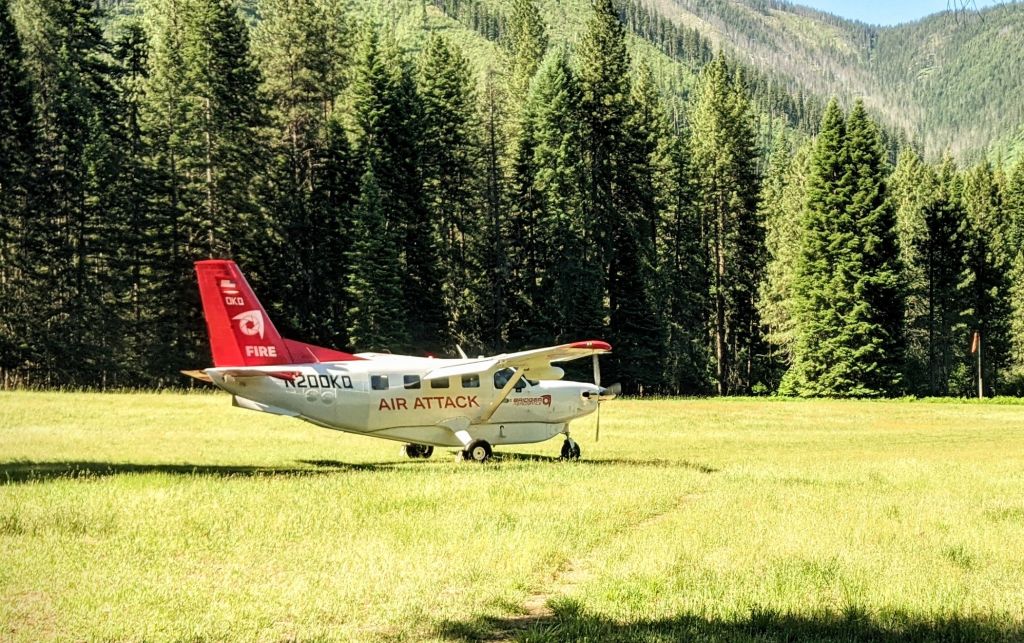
x=241 y=333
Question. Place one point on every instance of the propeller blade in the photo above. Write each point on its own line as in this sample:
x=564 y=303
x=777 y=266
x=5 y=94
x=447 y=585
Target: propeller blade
x=597 y=370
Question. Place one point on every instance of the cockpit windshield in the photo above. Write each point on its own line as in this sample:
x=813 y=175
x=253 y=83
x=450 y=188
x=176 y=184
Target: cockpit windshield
x=502 y=377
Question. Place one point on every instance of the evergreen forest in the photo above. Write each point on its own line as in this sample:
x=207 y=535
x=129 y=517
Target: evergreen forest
x=412 y=176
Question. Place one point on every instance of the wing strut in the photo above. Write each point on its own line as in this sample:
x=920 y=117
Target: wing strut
x=489 y=410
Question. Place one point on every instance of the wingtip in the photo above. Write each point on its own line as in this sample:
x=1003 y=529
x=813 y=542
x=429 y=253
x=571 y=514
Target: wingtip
x=594 y=344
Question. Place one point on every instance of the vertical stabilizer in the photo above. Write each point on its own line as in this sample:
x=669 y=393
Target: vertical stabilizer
x=241 y=333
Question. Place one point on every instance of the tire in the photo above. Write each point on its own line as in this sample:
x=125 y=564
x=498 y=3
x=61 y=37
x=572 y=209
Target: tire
x=418 y=451
x=576 y=451
x=479 y=451
x=566 y=452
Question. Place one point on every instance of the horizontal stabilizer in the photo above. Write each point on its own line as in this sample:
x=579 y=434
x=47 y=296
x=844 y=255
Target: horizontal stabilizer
x=252 y=405
x=239 y=373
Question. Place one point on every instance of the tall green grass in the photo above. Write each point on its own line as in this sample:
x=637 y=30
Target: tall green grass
x=170 y=516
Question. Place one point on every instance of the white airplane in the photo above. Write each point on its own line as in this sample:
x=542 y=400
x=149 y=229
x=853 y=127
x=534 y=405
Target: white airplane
x=513 y=398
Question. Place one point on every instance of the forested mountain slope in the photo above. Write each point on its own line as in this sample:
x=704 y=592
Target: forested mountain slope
x=950 y=81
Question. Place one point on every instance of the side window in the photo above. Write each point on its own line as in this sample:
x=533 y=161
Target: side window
x=411 y=381
x=441 y=382
x=346 y=381
x=471 y=381
x=379 y=382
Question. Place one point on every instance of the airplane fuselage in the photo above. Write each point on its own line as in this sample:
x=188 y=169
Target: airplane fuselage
x=387 y=396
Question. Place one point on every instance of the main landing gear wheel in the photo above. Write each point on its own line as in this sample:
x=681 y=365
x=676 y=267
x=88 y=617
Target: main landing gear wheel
x=418 y=451
x=478 y=451
x=570 y=450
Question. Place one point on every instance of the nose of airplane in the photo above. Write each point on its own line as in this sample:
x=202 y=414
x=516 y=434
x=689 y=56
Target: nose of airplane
x=602 y=393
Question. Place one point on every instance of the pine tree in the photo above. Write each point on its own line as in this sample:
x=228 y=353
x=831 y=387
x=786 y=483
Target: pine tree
x=1013 y=200
x=79 y=155
x=819 y=295
x=683 y=269
x=548 y=230
x=375 y=282
x=132 y=213
x=313 y=179
x=637 y=322
x=912 y=186
x=782 y=204
x=1014 y=206
x=495 y=264
x=526 y=42
x=387 y=116
x=603 y=73
x=989 y=263
x=849 y=304
x=230 y=113
x=938 y=297
x=449 y=165
x=1015 y=368
x=725 y=162
x=876 y=321
x=17 y=154
x=619 y=201
x=202 y=119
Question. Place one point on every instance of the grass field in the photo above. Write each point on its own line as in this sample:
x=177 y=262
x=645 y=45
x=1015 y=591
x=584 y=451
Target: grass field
x=170 y=516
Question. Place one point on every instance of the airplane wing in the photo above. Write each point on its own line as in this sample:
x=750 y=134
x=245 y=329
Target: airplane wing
x=524 y=361
x=539 y=361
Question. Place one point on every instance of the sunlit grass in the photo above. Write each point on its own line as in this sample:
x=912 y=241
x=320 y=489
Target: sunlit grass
x=169 y=516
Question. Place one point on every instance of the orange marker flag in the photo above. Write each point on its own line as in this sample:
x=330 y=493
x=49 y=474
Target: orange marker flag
x=975 y=341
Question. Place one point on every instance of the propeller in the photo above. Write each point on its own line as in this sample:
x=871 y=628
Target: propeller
x=597 y=382
x=603 y=394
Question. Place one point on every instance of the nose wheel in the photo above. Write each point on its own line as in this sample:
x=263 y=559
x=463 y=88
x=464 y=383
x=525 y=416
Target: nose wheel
x=478 y=451
x=570 y=449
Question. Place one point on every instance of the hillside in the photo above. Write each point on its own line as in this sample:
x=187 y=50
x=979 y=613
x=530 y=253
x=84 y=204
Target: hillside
x=949 y=81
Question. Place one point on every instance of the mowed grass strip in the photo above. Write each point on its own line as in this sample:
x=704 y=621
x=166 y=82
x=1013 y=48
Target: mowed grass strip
x=176 y=516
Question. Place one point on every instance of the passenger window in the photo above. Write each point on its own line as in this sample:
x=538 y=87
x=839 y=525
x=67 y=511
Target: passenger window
x=441 y=382
x=346 y=381
x=379 y=382
x=412 y=381
x=470 y=381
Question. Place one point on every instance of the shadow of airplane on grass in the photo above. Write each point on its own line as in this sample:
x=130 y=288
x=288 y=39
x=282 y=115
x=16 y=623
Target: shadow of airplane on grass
x=26 y=470
x=20 y=471
x=569 y=622
x=500 y=456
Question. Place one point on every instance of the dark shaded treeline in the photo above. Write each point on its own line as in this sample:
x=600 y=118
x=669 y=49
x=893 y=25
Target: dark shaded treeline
x=383 y=200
